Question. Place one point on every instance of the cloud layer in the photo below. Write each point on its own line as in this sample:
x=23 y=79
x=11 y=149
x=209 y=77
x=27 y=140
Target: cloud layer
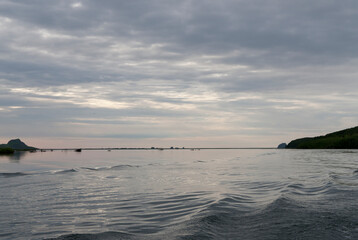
x=204 y=72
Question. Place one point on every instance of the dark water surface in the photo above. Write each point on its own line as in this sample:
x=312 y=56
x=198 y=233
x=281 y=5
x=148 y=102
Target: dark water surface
x=180 y=194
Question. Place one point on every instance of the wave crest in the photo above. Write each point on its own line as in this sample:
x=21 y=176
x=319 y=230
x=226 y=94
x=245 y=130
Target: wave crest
x=14 y=174
x=96 y=236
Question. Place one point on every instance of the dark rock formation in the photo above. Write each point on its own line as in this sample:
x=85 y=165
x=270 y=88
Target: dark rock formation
x=17 y=144
x=282 y=145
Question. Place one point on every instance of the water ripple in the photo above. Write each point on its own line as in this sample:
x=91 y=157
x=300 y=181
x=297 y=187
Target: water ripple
x=117 y=167
x=13 y=174
x=263 y=194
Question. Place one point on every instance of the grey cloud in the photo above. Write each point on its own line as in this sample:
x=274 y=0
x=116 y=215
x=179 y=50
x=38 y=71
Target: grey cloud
x=7 y=100
x=278 y=34
x=286 y=25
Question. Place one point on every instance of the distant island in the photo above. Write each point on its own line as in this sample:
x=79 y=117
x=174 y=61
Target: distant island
x=344 y=139
x=14 y=144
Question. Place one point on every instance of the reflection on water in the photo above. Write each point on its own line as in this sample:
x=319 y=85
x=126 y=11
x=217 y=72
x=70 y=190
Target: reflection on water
x=17 y=156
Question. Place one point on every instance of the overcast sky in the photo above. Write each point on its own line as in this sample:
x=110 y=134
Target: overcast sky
x=228 y=73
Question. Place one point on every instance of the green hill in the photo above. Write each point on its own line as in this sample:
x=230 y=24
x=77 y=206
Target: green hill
x=344 y=139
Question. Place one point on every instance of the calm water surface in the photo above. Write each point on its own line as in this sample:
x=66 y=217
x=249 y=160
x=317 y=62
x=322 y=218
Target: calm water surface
x=180 y=194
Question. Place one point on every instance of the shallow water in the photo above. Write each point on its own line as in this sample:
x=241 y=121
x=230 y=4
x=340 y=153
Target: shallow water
x=180 y=194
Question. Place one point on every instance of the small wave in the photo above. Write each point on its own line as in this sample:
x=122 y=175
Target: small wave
x=91 y=169
x=240 y=202
x=283 y=218
x=19 y=174
x=345 y=179
x=66 y=171
x=15 y=174
x=265 y=186
x=117 y=167
x=268 y=154
x=96 y=236
x=300 y=189
x=281 y=204
x=347 y=151
x=123 y=166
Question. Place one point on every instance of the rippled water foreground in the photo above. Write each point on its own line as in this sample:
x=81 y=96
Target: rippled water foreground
x=180 y=194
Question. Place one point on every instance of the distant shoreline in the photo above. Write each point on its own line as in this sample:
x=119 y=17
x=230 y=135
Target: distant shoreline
x=157 y=149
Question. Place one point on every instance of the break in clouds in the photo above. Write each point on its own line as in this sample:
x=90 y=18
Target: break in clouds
x=238 y=73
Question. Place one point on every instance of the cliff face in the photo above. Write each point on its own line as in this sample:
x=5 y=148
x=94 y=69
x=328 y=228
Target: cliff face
x=344 y=139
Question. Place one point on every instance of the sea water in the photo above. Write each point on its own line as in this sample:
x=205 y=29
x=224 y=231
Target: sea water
x=180 y=194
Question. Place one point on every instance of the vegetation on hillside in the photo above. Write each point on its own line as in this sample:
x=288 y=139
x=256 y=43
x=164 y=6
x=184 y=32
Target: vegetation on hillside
x=345 y=139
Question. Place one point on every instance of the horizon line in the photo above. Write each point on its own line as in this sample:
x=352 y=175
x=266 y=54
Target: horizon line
x=152 y=148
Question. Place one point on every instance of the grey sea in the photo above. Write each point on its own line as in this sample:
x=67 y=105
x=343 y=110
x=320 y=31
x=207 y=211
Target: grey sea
x=180 y=194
